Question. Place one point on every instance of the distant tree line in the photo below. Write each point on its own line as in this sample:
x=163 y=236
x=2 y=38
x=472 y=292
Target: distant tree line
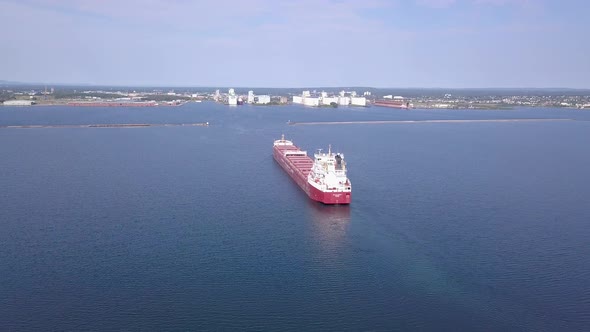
x=4 y=96
x=79 y=95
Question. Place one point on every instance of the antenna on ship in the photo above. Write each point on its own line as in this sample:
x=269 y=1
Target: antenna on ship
x=282 y=137
x=329 y=149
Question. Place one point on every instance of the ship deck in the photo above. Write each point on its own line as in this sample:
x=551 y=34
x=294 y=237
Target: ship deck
x=299 y=159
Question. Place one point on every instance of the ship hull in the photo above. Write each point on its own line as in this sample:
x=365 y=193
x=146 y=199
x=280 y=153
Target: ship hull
x=392 y=104
x=299 y=174
x=328 y=197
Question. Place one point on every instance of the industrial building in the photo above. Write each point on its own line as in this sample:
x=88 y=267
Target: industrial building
x=311 y=101
x=262 y=99
x=329 y=100
x=306 y=99
x=358 y=101
x=342 y=99
x=232 y=99
x=18 y=103
x=257 y=99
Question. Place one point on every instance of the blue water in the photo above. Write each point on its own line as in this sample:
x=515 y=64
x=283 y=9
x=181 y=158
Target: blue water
x=453 y=226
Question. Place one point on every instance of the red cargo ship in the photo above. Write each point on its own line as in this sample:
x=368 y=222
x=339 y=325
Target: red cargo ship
x=393 y=103
x=323 y=180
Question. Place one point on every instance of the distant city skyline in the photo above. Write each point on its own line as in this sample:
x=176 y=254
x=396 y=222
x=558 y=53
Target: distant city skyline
x=324 y=43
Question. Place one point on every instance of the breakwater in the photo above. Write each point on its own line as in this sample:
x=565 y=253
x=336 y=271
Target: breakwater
x=110 y=125
x=291 y=123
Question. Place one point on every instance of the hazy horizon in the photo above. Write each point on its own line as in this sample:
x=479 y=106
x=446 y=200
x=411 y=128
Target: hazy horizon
x=53 y=84
x=411 y=44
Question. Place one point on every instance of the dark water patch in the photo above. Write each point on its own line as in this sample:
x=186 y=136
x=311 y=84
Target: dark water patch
x=481 y=226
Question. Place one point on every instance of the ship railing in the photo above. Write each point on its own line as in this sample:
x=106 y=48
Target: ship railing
x=333 y=189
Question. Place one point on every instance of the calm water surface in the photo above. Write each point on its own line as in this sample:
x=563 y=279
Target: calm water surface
x=453 y=226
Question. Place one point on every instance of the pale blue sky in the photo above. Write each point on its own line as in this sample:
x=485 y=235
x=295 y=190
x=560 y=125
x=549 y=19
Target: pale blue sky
x=273 y=43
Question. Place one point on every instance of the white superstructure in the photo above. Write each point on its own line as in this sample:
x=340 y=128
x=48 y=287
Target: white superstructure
x=328 y=173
